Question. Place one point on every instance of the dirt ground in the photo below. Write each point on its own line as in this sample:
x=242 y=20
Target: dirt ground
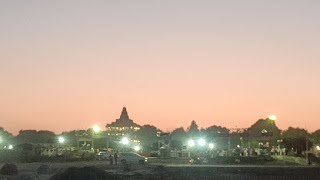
x=173 y=171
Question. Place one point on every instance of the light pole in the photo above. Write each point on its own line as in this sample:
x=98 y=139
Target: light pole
x=125 y=143
x=191 y=144
x=61 y=140
x=96 y=130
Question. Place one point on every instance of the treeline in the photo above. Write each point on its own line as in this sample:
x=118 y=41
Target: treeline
x=291 y=138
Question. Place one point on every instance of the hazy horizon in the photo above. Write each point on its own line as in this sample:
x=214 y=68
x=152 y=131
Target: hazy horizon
x=67 y=65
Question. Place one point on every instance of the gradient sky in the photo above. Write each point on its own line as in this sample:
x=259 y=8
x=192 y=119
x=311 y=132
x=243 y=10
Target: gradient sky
x=69 y=64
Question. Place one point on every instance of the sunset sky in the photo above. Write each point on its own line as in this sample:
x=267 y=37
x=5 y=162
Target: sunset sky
x=69 y=64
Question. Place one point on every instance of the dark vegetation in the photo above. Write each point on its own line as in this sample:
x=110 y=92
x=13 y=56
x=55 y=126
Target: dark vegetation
x=26 y=143
x=9 y=169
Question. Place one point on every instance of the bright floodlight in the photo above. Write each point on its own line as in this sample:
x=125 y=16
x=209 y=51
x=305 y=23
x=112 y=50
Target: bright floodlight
x=10 y=147
x=201 y=142
x=318 y=147
x=61 y=140
x=96 y=128
x=136 y=148
x=125 y=141
x=272 y=117
x=191 y=143
x=211 y=145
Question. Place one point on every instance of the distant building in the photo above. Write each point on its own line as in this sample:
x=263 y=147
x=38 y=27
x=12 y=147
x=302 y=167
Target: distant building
x=122 y=126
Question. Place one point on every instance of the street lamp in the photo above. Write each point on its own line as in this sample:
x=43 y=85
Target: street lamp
x=211 y=145
x=125 y=141
x=96 y=128
x=10 y=147
x=201 y=142
x=61 y=140
x=136 y=148
x=191 y=143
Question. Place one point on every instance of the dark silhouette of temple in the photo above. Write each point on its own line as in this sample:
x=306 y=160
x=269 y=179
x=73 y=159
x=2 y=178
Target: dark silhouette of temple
x=122 y=126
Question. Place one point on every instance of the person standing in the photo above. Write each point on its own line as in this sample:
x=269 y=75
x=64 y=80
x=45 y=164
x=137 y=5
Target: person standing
x=111 y=159
x=116 y=158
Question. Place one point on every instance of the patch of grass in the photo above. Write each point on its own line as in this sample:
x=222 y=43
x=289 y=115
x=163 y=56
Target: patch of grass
x=290 y=160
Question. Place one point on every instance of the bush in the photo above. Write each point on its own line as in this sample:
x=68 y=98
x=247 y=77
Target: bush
x=9 y=169
x=43 y=169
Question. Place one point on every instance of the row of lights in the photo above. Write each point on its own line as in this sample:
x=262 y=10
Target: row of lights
x=95 y=128
x=201 y=142
x=6 y=147
x=125 y=141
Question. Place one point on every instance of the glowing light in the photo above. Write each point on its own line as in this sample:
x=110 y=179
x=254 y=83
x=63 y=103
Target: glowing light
x=10 y=147
x=96 y=129
x=136 y=148
x=191 y=143
x=264 y=131
x=211 y=145
x=201 y=142
x=272 y=117
x=61 y=140
x=318 y=147
x=125 y=141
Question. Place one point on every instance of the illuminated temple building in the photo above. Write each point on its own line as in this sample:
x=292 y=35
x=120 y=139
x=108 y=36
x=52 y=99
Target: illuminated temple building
x=122 y=126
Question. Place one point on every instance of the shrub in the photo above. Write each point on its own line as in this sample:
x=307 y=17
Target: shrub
x=44 y=169
x=9 y=169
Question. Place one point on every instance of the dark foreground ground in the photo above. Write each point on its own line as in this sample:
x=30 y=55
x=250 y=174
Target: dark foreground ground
x=242 y=172
x=101 y=170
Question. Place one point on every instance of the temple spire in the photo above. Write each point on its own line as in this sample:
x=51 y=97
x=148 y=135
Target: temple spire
x=124 y=114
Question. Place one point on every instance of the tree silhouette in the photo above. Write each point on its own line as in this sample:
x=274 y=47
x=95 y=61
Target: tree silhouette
x=147 y=135
x=193 y=129
x=316 y=136
x=72 y=136
x=296 y=138
x=33 y=136
x=5 y=136
x=215 y=131
x=178 y=137
x=268 y=126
